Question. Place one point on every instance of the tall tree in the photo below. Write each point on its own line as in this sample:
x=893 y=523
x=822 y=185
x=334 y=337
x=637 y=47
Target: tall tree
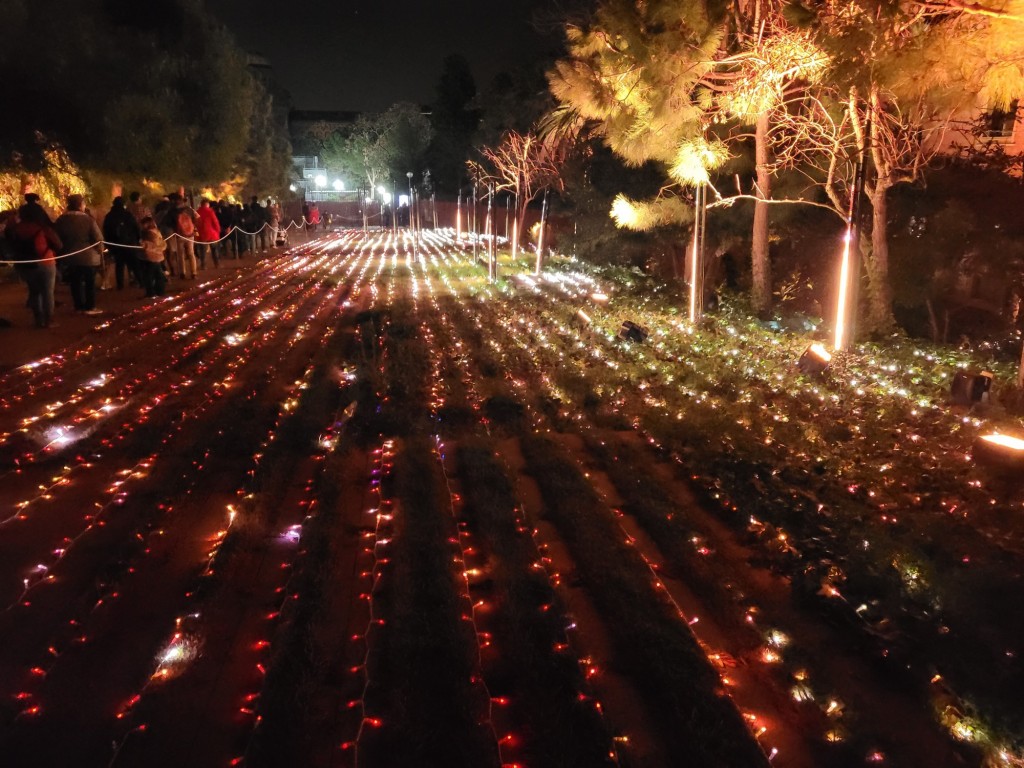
x=902 y=76
x=379 y=148
x=453 y=118
x=155 y=90
x=662 y=80
x=524 y=166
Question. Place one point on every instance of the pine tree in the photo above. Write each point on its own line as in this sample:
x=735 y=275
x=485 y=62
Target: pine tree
x=673 y=81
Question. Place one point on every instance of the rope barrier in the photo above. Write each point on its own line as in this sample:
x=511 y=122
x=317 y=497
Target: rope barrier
x=304 y=225
x=233 y=230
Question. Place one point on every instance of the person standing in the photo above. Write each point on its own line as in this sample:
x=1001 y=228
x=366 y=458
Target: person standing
x=34 y=242
x=260 y=222
x=226 y=216
x=274 y=217
x=122 y=231
x=250 y=222
x=82 y=241
x=153 y=247
x=37 y=212
x=137 y=208
x=208 y=234
x=180 y=221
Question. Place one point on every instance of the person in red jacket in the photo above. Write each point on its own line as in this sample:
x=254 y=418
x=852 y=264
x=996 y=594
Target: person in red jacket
x=208 y=234
x=34 y=242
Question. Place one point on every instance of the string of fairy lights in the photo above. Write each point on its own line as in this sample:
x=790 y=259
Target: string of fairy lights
x=540 y=563
x=188 y=626
x=132 y=420
x=530 y=338
x=533 y=324
x=547 y=321
x=756 y=722
x=120 y=494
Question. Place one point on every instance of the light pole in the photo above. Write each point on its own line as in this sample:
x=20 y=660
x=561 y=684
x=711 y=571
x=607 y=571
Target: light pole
x=700 y=218
x=458 y=218
x=474 y=222
x=412 y=204
x=849 y=268
x=492 y=261
x=540 y=236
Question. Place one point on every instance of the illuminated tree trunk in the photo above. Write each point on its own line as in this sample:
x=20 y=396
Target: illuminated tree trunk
x=760 y=260
x=878 y=317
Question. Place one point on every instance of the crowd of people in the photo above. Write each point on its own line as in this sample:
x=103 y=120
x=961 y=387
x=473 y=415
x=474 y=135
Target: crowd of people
x=146 y=246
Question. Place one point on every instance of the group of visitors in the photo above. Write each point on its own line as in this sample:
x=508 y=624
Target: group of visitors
x=173 y=239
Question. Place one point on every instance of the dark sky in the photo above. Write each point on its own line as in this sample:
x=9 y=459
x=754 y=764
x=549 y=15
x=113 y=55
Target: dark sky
x=365 y=55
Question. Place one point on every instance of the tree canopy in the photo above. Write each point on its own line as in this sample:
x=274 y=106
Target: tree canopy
x=380 y=148
x=152 y=90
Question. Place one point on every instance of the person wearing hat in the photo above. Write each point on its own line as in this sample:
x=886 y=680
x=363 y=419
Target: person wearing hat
x=83 y=244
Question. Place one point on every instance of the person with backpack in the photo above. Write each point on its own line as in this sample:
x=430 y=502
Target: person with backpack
x=83 y=246
x=33 y=243
x=120 y=229
x=180 y=222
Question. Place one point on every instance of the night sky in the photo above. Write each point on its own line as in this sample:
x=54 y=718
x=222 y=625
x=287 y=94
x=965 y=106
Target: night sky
x=365 y=56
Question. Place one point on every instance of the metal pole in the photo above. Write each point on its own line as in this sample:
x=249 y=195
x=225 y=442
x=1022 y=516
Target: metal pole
x=540 y=236
x=849 y=270
x=508 y=208
x=474 y=221
x=492 y=262
x=697 y=256
x=458 y=218
x=515 y=230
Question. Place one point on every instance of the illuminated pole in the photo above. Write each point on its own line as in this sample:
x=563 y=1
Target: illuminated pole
x=362 y=205
x=412 y=202
x=700 y=215
x=508 y=209
x=433 y=208
x=515 y=230
x=394 y=208
x=474 y=221
x=540 y=236
x=458 y=218
x=492 y=262
x=849 y=269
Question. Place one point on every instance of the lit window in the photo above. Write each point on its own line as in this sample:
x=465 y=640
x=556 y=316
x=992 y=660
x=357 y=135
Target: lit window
x=999 y=123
